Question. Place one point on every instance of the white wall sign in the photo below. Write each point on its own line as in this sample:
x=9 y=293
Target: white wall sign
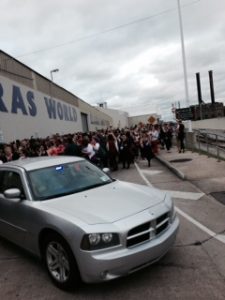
x=25 y=112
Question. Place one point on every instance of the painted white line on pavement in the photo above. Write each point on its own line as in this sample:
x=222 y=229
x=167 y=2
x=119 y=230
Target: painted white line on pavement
x=152 y=172
x=143 y=176
x=214 y=235
x=174 y=194
x=185 y=195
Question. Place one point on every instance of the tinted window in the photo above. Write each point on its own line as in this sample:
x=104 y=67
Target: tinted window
x=61 y=180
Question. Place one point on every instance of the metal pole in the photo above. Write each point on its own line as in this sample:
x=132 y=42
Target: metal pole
x=51 y=73
x=184 y=62
x=199 y=142
x=218 y=154
x=193 y=142
x=217 y=149
x=50 y=86
x=207 y=144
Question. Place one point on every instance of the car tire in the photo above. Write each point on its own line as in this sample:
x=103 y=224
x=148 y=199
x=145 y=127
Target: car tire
x=60 y=262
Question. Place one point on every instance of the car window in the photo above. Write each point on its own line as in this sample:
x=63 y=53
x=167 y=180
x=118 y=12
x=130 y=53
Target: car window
x=9 y=180
x=60 y=180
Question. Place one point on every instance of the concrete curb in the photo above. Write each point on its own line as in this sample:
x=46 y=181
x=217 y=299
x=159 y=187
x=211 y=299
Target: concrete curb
x=177 y=172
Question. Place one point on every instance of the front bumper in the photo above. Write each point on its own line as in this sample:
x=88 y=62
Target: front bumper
x=98 y=266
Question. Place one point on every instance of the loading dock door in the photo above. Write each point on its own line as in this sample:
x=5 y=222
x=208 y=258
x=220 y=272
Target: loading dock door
x=84 y=122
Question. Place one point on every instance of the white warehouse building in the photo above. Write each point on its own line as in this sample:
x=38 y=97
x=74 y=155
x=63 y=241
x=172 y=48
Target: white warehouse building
x=32 y=105
x=119 y=117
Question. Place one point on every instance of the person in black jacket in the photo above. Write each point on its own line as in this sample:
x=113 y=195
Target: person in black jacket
x=113 y=151
x=167 y=136
x=125 y=151
x=180 y=136
x=72 y=149
x=146 y=149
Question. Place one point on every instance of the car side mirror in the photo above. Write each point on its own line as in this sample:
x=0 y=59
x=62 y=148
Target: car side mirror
x=106 y=170
x=13 y=194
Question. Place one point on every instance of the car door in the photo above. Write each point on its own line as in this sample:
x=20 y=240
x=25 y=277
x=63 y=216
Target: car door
x=12 y=213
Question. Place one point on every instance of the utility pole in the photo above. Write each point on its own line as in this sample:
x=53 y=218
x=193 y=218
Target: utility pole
x=184 y=62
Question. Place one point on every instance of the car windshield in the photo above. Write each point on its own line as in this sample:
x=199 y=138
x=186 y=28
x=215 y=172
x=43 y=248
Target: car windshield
x=60 y=180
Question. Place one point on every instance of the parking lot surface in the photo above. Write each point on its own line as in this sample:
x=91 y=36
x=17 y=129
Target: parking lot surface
x=193 y=269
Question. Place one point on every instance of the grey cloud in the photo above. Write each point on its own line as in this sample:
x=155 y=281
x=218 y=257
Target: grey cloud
x=91 y=68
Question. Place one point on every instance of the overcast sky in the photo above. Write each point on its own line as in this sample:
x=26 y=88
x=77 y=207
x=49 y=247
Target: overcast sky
x=123 y=52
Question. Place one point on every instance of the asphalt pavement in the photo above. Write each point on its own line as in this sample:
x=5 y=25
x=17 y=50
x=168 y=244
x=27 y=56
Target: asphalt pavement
x=193 y=269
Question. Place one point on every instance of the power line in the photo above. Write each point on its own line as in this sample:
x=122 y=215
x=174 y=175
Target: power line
x=118 y=27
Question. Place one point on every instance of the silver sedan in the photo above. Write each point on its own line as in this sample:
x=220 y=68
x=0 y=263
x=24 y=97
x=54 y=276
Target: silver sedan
x=80 y=221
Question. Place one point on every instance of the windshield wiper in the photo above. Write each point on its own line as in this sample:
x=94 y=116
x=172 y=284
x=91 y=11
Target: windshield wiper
x=99 y=184
x=90 y=187
x=75 y=191
x=56 y=195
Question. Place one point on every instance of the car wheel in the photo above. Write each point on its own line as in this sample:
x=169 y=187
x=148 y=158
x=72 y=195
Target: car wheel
x=60 y=262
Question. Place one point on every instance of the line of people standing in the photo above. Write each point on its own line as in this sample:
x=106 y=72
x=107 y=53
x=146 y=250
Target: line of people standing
x=108 y=148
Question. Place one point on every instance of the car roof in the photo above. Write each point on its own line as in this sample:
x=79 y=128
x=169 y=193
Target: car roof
x=41 y=162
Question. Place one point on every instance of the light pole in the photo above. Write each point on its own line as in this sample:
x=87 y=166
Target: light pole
x=53 y=71
x=184 y=62
x=50 y=85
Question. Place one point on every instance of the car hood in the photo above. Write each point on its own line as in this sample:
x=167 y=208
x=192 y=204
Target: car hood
x=106 y=204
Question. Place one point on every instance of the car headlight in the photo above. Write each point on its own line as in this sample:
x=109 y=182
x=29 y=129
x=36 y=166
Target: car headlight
x=95 y=241
x=169 y=203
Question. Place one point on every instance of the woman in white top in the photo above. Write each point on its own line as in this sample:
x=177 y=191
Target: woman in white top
x=87 y=149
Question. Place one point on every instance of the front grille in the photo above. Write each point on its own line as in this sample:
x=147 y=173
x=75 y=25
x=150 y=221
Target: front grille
x=138 y=234
x=138 y=239
x=147 y=231
x=161 y=228
x=138 y=229
x=161 y=218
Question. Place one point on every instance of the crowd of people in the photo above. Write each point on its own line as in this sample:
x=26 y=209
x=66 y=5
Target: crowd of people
x=105 y=148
